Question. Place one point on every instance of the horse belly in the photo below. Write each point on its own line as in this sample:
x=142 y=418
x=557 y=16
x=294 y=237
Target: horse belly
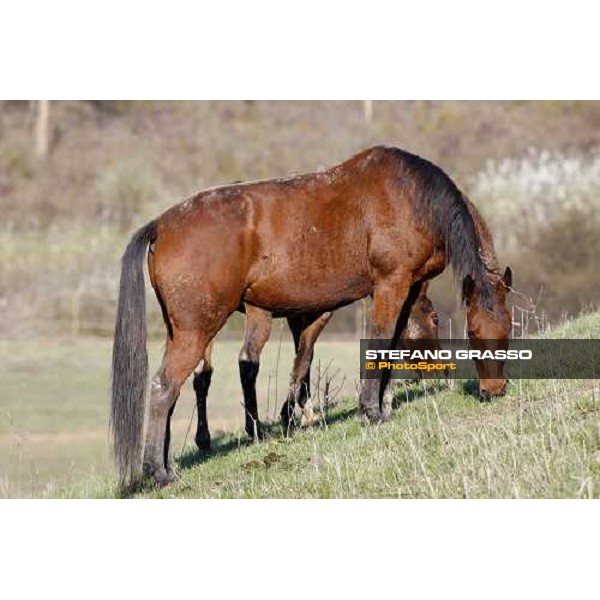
x=296 y=292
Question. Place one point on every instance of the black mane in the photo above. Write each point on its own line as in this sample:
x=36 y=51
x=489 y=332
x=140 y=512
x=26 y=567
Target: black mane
x=440 y=203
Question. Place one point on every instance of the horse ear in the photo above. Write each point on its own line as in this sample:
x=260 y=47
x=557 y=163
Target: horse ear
x=468 y=287
x=507 y=278
x=424 y=288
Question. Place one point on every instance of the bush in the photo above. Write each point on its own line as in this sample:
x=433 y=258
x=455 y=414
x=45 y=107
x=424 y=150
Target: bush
x=544 y=214
x=520 y=197
x=560 y=263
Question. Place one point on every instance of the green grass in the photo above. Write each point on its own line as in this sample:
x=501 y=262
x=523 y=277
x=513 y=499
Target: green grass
x=541 y=441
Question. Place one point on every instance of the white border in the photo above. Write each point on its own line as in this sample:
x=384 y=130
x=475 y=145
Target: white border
x=303 y=50
x=274 y=549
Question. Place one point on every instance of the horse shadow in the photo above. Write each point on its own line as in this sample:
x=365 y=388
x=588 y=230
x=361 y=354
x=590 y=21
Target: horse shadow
x=411 y=390
x=405 y=393
x=225 y=443
x=221 y=444
x=408 y=392
x=470 y=387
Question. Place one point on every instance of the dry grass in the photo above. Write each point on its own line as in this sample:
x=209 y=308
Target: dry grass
x=54 y=416
x=542 y=440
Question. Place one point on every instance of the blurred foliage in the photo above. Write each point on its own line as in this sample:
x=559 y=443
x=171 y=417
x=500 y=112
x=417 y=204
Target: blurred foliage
x=544 y=212
x=560 y=264
x=121 y=192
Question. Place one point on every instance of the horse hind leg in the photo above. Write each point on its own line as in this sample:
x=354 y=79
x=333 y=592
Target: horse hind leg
x=183 y=353
x=257 y=332
x=202 y=379
x=305 y=331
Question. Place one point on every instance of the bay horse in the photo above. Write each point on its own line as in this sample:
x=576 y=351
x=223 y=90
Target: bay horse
x=486 y=369
x=423 y=324
x=379 y=224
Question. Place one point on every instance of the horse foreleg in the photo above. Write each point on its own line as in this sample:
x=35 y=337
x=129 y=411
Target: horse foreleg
x=389 y=297
x=305 y=331
x=258 y=329
x=202 y=378
x=404 y=330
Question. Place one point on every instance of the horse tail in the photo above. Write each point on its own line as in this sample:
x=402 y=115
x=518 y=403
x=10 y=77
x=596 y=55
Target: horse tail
x=130 y=362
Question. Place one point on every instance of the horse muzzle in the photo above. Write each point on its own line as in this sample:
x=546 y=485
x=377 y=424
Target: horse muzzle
x=491 y=388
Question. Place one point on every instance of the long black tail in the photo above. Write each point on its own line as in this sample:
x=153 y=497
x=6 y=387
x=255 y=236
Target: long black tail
x=130 y=361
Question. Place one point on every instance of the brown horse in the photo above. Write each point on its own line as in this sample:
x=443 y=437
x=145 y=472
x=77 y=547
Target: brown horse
x=379 y=224
x=490 y=372
x=422 y=325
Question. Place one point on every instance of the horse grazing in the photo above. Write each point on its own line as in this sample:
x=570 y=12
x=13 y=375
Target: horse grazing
x=379 y=224
x=422 y=325
x=489 y=371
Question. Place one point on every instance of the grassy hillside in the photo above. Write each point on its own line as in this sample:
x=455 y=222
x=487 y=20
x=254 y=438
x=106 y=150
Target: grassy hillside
x=541 y=440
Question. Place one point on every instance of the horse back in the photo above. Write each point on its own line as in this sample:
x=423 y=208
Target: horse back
x=316 y=240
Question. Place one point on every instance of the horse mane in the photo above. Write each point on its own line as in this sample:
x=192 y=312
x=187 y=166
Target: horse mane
x=457 y=226
x=487 y=250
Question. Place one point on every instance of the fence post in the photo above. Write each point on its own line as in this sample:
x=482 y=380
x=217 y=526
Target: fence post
x=41 y=129
x=76 y=311
x=368 y=109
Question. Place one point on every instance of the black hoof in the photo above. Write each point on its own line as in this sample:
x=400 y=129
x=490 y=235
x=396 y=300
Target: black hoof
x=203 y=443
x=288 y=422
x=288 y=425
x=256 y=435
